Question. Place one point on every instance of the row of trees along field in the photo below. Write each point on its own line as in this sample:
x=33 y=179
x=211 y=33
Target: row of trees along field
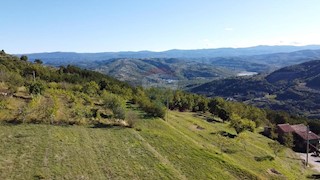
x=73 y=95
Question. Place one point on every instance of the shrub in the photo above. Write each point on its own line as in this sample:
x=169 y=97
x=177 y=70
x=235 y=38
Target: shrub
x=115 y=103
x=241 y=125
x=119 y=112
x=90 y=88
x=288 y=140
x=36 y=88
x=132 y=119
x=264 y=158
x=24 y=58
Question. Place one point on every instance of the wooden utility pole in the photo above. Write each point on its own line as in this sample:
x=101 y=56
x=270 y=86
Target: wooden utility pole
x=307 y=157
x=34 y=75
x=167 y=108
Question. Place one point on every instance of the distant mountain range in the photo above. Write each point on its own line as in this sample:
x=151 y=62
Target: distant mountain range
x=55 y=57
x=276 y=59
x=295 y=89
x=194 y=66
x=213 y=72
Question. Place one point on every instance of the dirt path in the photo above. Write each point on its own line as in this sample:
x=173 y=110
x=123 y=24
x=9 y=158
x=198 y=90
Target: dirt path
x=313 y=161
x=161 y=158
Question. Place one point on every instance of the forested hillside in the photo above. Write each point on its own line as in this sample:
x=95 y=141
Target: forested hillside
x=294 y=89
x=31 y=92
x=156 y=70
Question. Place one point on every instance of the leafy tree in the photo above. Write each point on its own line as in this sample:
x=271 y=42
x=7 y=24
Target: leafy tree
x=288 y=140
x=90 y=88
x=217 y=107
x=241 y=125
x=273 y=132
x=203 y=104
x=24 y=58
x=2 y=52
x=115 y=103
x=103 y=84
x=278 y=117
x=36 y=88
x=38 y=61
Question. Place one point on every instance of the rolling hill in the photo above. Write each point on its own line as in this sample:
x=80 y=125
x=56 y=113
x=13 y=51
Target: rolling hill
x=188 y=66
x=72 y=123
x=294 y=89
x=185 y=147
x=155 y=70
x=175 y=53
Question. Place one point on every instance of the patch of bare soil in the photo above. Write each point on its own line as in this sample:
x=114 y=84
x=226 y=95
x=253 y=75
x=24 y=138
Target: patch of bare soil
x=197 y=127
x=273 y=171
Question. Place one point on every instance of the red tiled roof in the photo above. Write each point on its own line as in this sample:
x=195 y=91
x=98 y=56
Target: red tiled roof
x=303 y=135
x=299 y=127
x=286 y=128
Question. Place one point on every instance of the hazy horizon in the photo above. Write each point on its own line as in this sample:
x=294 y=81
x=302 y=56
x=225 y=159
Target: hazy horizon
x=84 y=52
x=105 y=26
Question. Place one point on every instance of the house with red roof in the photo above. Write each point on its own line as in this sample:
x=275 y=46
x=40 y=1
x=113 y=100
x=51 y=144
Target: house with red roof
x=300 y=135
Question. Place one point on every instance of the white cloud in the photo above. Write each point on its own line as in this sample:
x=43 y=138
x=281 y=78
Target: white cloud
x=228 y=29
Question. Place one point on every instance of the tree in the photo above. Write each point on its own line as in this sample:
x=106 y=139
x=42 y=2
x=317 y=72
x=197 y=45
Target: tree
x=216 y=107
x=91 y=88
x=118 y=112
x=276 y=147
x=132 y=118
x=2 y=52
x=24 y=58
x=38 y=61
x=36 y=88
x=103 y=84
x=288 y=140
x=203 y=104
x=114 y=103
x=241 y=125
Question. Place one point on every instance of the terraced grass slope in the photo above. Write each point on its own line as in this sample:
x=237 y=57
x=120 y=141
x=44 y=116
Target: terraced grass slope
x=184 y=147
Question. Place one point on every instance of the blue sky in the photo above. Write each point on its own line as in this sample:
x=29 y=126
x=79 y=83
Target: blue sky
x=131 y=25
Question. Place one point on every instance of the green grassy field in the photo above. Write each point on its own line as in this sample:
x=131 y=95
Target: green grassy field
x=184 y=147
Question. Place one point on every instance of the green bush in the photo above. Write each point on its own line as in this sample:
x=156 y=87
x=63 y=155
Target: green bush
x=131 y=119
x=115 y=103
x=36 y=88
x=91 y=88
x=241 y=125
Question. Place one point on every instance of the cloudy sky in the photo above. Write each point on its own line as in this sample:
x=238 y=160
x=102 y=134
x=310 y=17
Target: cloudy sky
x=131 y=25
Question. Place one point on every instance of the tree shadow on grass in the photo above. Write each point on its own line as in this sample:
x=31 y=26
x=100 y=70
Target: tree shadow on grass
x=12 y=122
x=212 y=120
x=107 y=126
x=314 y=176
x=264 y=158
x=225 y=134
